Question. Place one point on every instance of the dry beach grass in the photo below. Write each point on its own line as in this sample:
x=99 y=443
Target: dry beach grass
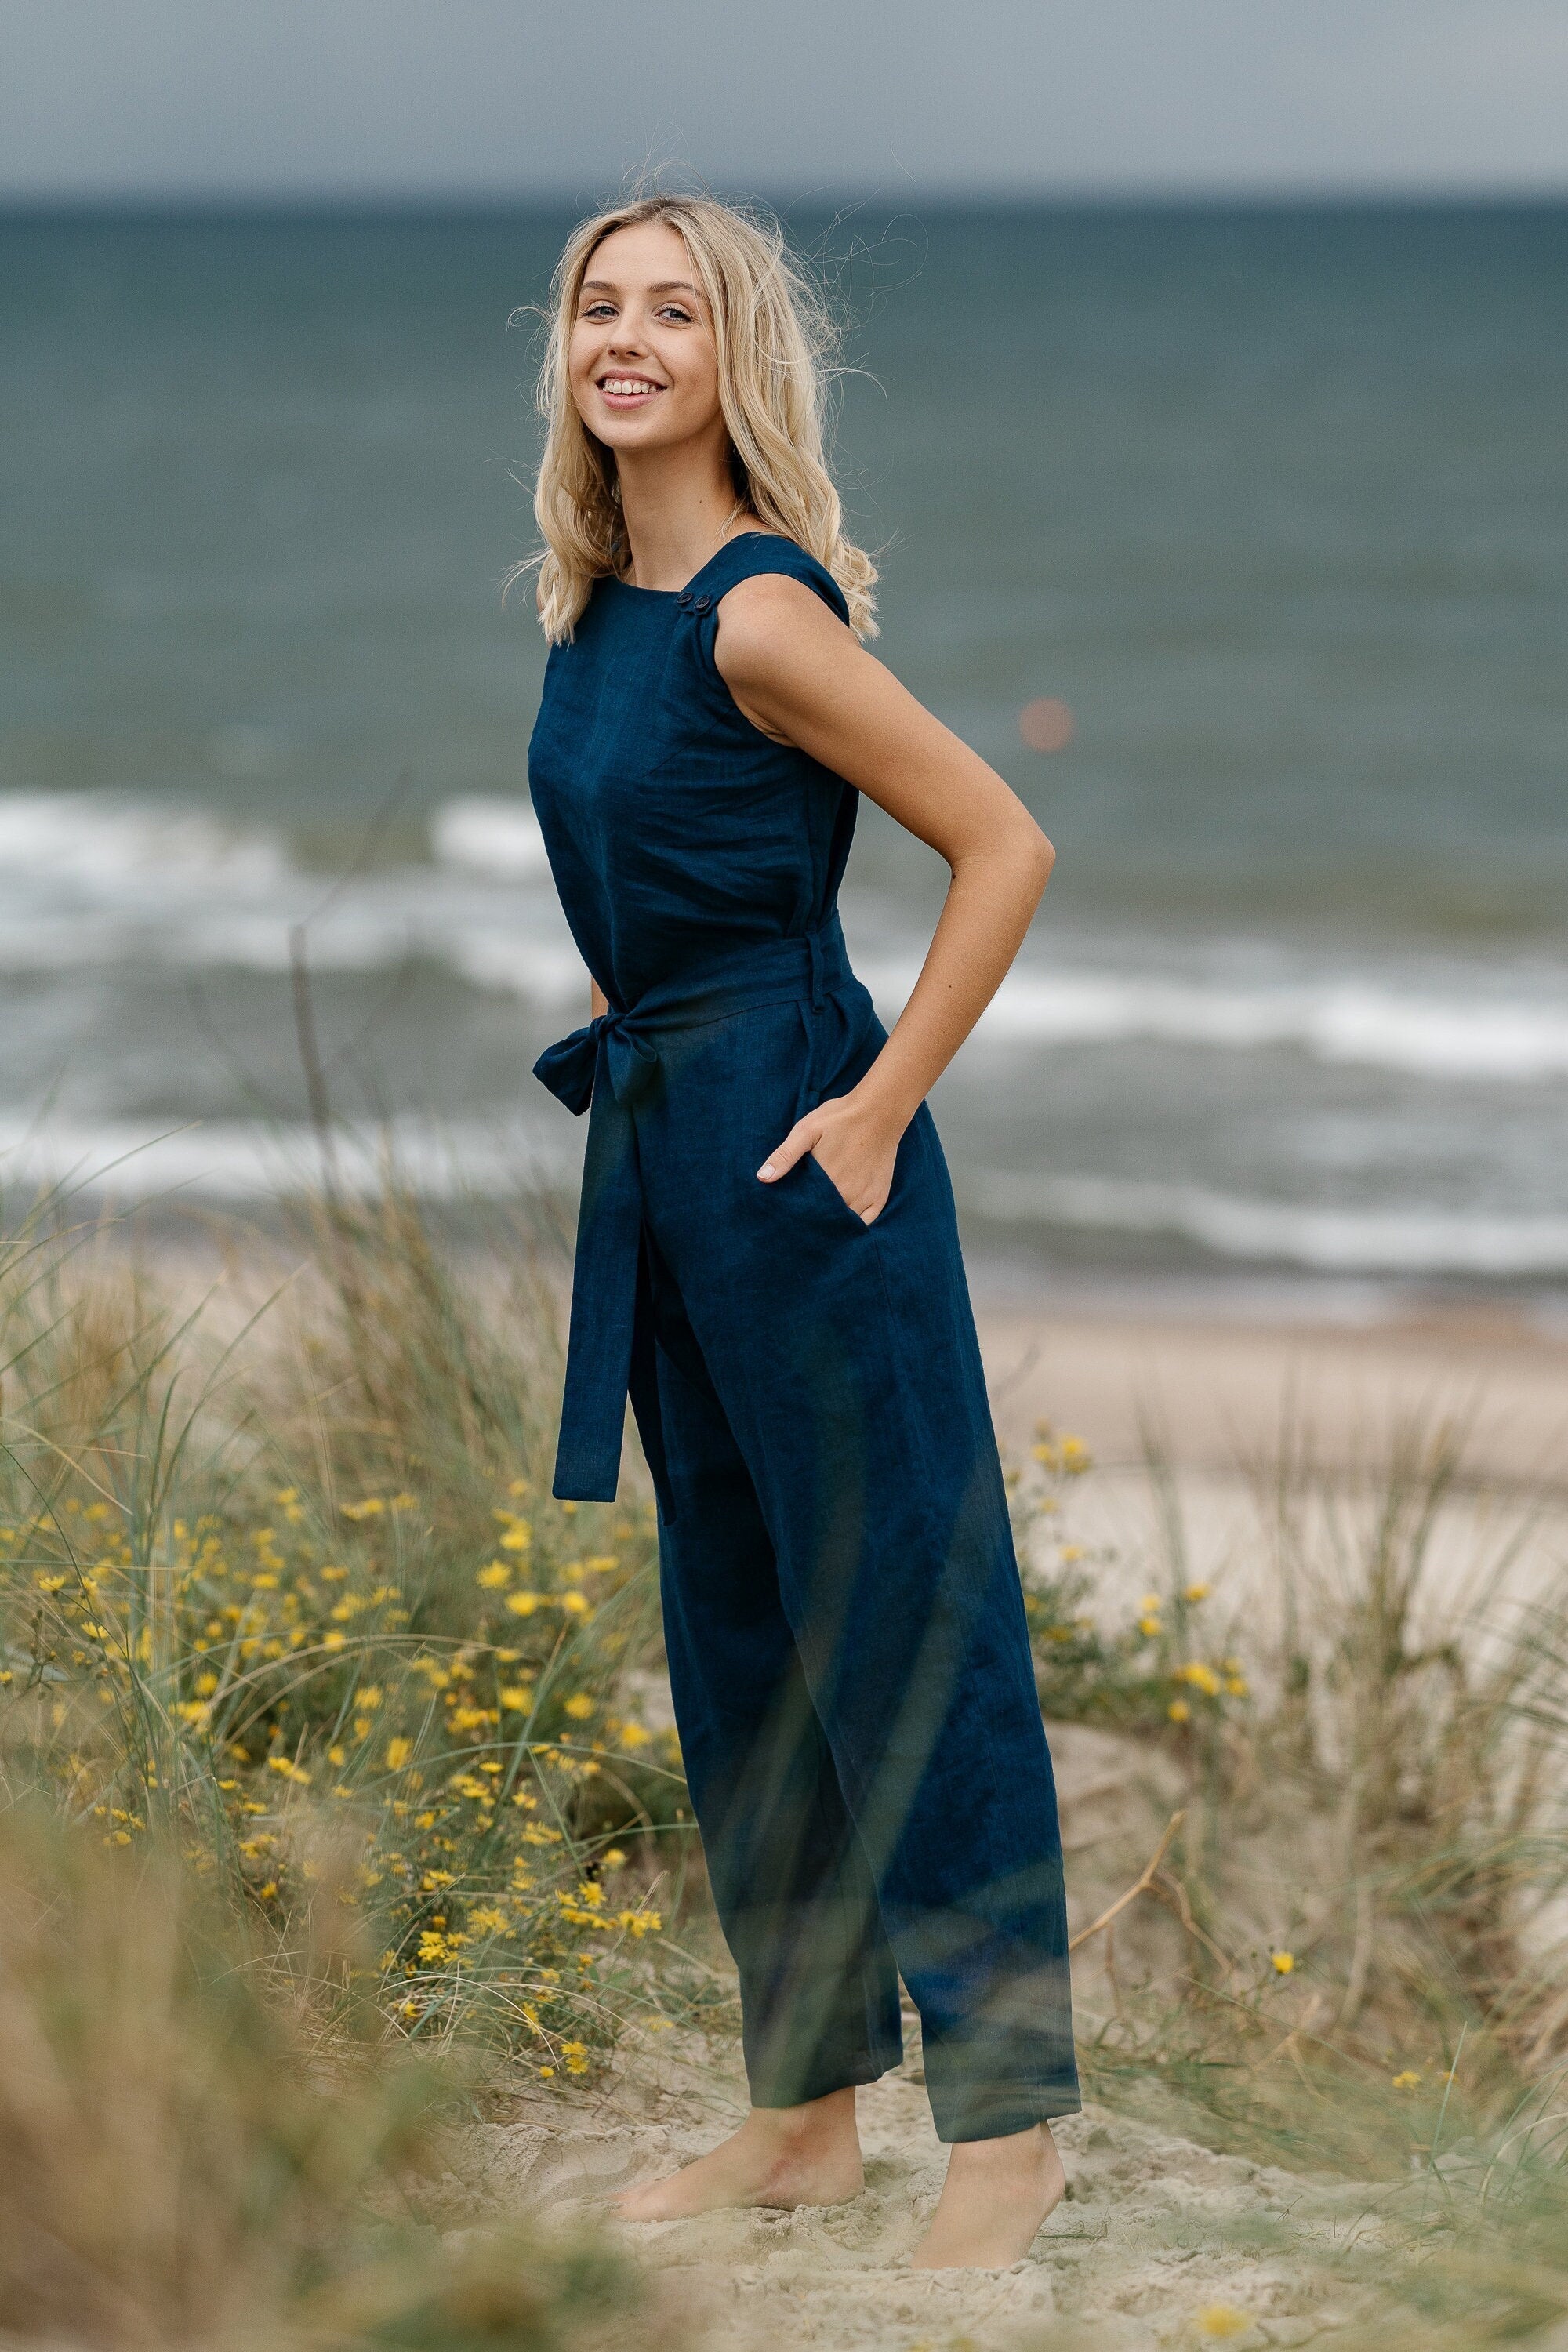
x=355 y=1940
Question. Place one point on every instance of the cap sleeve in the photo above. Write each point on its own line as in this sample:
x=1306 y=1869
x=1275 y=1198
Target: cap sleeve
x=756 y=551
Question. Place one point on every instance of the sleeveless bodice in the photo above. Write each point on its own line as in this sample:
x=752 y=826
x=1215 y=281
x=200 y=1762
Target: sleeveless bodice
x=678 y=832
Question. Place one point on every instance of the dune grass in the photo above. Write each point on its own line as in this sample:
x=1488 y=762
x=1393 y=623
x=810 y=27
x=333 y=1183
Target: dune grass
x=1354 y=1949
x=301 y=1605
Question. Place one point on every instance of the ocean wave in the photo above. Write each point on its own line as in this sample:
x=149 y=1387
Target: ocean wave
x=238 y=1162
x=1400 y=1239
x=1336 y=1020
x=487 y=835
x=101 y=846
x=241 y=1160
x=97 y=879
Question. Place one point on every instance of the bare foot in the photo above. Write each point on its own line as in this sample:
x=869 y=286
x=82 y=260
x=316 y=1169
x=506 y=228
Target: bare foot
x=996 y=2194
x=779 y=2156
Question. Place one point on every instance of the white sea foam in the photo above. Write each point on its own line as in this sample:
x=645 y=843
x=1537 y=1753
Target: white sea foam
x=95 y=880
x=241 y=1160
x=1431 y=1034
x=1397 y=1239
x=104 y=846
x=488 y=835
x=90 y=880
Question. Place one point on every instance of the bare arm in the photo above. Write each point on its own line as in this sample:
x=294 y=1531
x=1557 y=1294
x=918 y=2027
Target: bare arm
x=798 y=673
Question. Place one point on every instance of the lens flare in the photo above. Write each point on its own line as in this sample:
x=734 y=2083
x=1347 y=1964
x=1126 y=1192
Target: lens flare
x=1046 y=724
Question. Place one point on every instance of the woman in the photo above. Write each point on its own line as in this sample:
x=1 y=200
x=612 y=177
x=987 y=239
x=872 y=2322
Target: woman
x=767 y=1256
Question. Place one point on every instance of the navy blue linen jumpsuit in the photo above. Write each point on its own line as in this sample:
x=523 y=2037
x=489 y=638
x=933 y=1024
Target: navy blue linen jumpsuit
x=847 y=1650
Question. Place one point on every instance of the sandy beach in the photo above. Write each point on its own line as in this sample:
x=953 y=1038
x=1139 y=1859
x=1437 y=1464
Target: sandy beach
x=1161 y=2243
x=1218 y=1391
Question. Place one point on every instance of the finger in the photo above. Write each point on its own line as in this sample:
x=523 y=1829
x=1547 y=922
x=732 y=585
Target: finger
x=795 y=1146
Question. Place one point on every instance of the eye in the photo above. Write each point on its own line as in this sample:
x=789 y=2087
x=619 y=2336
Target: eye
x=676 y=310
x=600 y=309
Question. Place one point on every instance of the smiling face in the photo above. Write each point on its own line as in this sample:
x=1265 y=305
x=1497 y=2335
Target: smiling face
x=643 y=366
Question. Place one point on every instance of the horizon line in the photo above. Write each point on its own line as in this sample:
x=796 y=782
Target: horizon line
x=1065 y=195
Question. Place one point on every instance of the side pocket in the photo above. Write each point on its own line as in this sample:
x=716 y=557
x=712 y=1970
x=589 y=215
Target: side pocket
x=818 y=1176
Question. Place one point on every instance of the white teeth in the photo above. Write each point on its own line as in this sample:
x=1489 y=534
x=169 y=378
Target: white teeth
x=629 y=385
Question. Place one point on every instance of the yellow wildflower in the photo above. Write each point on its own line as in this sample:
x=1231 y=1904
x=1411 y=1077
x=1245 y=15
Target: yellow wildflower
x=1283 y=1963
x=1408 y=2080
x=1222 y=2319
x=398 y=1752
x=522 y=1604
x=1197 y=1592
x=579 y=1705
x=1179 y=1711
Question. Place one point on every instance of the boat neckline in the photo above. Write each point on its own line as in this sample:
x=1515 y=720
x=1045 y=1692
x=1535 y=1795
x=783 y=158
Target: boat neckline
x=632 y=586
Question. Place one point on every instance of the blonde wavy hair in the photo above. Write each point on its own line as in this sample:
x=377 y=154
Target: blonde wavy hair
x=775 y=344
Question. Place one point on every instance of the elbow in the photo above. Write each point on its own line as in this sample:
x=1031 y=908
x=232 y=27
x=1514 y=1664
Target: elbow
x=1037 y=855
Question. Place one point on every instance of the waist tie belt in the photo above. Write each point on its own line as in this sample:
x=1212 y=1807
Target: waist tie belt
x=610 y=1064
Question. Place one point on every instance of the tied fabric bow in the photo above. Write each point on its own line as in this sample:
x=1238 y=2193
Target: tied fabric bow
x=570 y=1067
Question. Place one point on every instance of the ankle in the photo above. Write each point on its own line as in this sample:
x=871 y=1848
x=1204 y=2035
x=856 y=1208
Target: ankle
x=820 y=2122
x=1016 y=2155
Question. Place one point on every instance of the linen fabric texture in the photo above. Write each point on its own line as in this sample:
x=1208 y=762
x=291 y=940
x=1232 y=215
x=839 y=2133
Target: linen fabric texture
x=849 y=1655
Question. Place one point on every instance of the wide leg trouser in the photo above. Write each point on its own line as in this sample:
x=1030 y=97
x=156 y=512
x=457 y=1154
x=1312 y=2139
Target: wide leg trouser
x=848 y=1648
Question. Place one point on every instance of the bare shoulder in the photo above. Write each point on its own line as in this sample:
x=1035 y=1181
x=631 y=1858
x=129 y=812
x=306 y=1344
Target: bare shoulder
x=772 y=623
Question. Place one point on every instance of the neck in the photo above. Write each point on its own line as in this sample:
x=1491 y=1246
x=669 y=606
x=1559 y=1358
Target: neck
x=677 y=505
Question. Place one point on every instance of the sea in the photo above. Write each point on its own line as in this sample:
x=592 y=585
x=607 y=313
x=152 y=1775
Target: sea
x=1273 y=500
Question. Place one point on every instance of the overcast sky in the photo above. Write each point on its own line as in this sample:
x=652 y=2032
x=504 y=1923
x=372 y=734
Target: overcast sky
x=384 y=98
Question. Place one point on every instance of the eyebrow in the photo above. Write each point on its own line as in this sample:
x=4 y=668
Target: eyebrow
x=666 y=286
